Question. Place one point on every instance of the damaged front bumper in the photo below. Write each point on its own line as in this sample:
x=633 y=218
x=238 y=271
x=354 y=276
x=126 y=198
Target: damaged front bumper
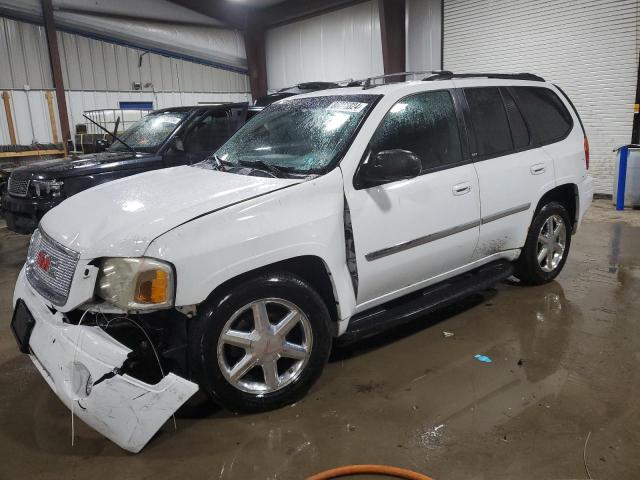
x=82 y=364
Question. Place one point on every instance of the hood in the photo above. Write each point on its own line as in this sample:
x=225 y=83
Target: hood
x=121 y=218
x=88 y=164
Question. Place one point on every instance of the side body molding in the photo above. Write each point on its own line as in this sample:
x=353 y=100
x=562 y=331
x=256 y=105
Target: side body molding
x=444 y=233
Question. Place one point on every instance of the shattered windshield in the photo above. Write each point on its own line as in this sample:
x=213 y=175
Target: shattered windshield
x=296 y=135
x=148 y=133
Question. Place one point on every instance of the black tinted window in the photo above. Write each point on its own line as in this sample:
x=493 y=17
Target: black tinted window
x=208 y=133
x=519 y=131
x=489 y=119
x=547 y=116
x=424 y=124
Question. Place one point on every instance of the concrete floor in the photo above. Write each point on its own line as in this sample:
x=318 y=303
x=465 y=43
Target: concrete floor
x=566 y=362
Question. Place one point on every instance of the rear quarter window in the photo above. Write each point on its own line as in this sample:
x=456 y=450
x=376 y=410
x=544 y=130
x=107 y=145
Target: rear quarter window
x=489 y=119
x=548 y=118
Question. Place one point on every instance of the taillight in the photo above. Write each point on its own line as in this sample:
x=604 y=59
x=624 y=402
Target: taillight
x=586 y=152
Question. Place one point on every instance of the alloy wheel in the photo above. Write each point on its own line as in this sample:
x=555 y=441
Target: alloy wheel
x=552 y=241
x=265 y=346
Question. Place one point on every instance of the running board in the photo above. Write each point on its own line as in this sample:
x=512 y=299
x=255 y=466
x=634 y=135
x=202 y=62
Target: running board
x=427 y=300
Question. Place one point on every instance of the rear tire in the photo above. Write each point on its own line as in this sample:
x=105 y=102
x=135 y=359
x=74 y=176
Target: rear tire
x=261 y=345
x=547 y=246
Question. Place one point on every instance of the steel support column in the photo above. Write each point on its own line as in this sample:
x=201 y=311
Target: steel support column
x=56 y=70
x=392 y=30
x=254 y=44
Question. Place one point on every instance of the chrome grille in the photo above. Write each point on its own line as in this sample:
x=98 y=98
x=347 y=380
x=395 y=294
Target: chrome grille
x=18 y=186
x=50 y=267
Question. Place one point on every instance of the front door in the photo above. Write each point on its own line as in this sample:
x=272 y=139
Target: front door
x=205 y=134
x=407 y=232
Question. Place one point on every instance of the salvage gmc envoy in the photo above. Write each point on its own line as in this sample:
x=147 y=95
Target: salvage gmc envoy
x=329 y=216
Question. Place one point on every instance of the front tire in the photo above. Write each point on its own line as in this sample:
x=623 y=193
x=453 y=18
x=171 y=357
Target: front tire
x=547 y=246
x=262 y=345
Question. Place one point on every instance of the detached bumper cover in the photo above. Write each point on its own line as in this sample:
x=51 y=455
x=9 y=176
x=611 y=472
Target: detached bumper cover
x=81 y=365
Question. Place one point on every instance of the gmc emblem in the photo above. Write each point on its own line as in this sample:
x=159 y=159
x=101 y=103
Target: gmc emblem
x=43 y=260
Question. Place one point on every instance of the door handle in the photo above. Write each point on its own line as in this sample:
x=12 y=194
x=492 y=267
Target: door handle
x=538 y=168
x=461 y=188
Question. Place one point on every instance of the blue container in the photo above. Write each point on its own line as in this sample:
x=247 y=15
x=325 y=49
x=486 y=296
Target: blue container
x=626 y=187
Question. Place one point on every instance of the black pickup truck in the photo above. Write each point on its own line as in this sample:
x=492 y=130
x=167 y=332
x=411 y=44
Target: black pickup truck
x=164 y=138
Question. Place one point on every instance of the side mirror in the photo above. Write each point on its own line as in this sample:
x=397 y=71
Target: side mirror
x=390 y=166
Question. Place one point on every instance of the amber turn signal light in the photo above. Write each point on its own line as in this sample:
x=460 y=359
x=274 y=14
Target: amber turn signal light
x=153 y=287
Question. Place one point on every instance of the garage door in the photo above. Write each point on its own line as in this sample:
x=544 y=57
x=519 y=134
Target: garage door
x=589 y=48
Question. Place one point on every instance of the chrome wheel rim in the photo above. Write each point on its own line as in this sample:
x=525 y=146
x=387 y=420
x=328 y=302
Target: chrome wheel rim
x=552 y=241
x=265 y=346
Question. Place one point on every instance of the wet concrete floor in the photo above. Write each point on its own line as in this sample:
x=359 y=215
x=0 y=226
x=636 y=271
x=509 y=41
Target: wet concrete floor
x=566 y=362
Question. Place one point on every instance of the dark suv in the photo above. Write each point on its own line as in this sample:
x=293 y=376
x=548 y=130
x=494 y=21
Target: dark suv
x=164 y=138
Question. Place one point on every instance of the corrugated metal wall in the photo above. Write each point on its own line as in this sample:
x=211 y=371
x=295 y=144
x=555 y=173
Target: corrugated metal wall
x=423 y=36
x=590 y=48
x=97 y=75
x=334 y=46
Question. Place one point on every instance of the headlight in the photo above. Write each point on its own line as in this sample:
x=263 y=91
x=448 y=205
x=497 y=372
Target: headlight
x=136 y=283
x=47 y=187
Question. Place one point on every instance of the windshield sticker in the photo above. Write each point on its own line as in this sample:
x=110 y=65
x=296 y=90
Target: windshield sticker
x=343 y=106
x=170 y=119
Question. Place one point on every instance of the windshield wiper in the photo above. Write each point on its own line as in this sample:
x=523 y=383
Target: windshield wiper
x=264 y=166
x=221 y=163
x=110 y=133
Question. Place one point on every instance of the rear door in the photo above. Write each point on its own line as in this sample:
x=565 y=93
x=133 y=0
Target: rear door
x=552 y=128
x=511 y=171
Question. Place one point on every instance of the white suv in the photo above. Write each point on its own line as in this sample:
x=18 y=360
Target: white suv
x=332 y=214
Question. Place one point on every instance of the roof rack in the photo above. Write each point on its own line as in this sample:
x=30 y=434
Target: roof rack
x=505 y=76
x=430 y=75
x=369 y=82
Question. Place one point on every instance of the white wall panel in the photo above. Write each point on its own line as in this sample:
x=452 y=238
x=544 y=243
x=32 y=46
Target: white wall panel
x=122 y=68
x=424 y=34
x=31 y=54
x=110 y=67
x=6 y=78
x=590 y=48
x=39 y=111
x=72 y=61
x=97 y=66
x=15 y=54
x=84 y=56
x=335 y=46
x=22 y=118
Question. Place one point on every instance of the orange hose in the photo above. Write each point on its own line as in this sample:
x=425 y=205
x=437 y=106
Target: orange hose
x=369 y=469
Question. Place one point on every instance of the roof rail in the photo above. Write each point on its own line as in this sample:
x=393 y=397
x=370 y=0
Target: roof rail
x=505 y=76
x=368 y=82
